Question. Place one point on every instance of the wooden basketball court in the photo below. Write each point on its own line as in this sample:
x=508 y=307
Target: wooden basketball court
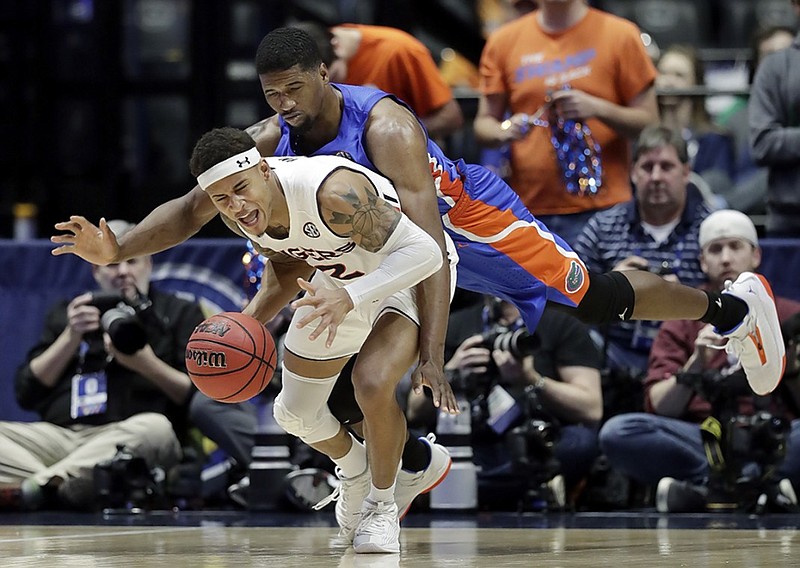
x=564 y=541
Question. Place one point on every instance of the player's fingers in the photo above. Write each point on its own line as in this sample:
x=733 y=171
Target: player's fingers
x=307 y=319
x=307 y=286
x=304 y=301
x=332 y=329
x=75 y=222
x=416 y=382
x=446 y=401
x=436 y=397
x=66 y=249
x=452 y=403
x=322 y=326
x=62 y=238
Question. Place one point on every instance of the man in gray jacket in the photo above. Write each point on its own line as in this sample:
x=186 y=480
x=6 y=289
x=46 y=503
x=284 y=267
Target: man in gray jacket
x=774 y=114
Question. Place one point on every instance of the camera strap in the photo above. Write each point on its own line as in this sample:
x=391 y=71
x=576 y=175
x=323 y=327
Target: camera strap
x=711 y=433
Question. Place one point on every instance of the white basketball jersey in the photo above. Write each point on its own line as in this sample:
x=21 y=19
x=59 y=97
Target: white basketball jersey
x=310 y=239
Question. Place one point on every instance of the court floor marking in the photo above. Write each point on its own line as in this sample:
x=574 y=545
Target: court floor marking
x=94 y=535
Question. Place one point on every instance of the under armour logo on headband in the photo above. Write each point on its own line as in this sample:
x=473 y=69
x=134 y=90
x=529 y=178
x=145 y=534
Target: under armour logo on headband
x=233 y=165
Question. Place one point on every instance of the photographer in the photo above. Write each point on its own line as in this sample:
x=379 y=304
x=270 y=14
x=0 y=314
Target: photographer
x=106 y=372
x=666 y=445
x=545 y=392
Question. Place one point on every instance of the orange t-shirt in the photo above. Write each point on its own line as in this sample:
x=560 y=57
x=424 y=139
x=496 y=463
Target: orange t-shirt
x=400 y=64
x=602 y=55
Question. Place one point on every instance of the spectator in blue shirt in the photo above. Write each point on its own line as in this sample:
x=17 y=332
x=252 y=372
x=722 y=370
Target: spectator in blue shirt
x=657 y=231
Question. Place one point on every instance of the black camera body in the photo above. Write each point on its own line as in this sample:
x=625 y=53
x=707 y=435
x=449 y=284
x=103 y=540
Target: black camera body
x=120 y=318
x=518 y=342
x=476 y=386
x=759 y=438
x=124 y=482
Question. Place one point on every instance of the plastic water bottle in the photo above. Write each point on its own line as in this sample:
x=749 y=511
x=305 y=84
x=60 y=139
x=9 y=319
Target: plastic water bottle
x=459 y=490
x=25 y=221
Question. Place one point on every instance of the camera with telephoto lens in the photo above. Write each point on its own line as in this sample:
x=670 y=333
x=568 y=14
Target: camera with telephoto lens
x=472 y=385
x=122 y=319
x=518 y=342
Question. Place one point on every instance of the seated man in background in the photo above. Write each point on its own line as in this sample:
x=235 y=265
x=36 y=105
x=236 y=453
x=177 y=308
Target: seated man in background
x=553 y=378
x=655 y=231
x=392 y=61
x=666 y=444
x=100 y=378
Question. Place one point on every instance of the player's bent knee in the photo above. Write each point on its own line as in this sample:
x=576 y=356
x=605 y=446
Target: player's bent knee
x=610 y=298
x=311 y=429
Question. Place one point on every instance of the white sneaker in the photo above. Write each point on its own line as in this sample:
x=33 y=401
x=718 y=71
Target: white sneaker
x=786 y=490
x=349 y=496
x=757 y=340
x=558 y=492
x=409 y=485
x=379 y=528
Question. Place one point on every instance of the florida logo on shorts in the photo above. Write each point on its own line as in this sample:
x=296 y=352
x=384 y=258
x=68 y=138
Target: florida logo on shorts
x=575 y=277
x=310 y=230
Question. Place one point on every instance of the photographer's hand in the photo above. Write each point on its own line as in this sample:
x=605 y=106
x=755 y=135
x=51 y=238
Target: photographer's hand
x=508 y=366
x=706 y=338
x=470 y=357
x=81 y=319
x=174 y=383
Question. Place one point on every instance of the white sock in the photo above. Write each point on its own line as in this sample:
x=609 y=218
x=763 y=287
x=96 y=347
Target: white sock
x=381 y=495
x=354 y=462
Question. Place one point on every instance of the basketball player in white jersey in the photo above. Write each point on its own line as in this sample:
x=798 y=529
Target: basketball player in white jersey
x=335 y=230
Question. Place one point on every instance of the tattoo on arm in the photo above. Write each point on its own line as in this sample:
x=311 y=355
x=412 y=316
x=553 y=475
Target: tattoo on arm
x=371 y=218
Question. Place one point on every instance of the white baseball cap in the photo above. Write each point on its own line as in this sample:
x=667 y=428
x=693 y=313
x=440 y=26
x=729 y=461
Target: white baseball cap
x=727 y=224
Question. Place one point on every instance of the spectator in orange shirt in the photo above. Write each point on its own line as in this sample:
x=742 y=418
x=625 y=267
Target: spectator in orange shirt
x=611 y=78
x=393 y=61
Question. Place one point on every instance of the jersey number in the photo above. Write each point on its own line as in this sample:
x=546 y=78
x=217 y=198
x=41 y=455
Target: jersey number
x=338 y=271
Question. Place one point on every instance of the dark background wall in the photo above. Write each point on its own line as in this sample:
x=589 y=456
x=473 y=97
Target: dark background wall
x=101 y=100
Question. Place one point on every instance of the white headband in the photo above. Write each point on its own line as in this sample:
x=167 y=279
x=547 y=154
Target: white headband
x=232 y=165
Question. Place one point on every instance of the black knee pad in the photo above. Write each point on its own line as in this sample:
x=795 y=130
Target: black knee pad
x=610 y=298
x=342 y=402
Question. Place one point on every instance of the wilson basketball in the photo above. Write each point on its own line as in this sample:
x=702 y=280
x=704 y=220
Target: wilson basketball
x=230 y=357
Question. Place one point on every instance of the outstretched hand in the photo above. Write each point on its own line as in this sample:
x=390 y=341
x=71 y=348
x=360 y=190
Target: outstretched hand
x=432 y=375
x=97 y=245
x=330 y=307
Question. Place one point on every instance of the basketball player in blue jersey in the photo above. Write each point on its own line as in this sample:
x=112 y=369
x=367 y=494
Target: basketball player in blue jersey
x=503 y=250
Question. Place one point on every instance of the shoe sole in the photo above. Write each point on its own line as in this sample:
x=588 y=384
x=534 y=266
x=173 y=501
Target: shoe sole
x=374 y=548
x=774 y=333
x=430 y=487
